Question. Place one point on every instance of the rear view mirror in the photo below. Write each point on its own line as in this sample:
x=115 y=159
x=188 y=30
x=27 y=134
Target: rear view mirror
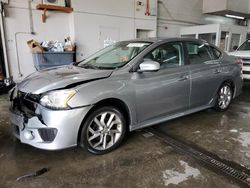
x=149 y=66
x=235 y=48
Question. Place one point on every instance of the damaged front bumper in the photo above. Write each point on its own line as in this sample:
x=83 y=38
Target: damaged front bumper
x=44 y=128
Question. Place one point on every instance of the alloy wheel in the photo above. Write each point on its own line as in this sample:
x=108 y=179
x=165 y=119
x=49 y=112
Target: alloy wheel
x=104 y=130
x=225 y=97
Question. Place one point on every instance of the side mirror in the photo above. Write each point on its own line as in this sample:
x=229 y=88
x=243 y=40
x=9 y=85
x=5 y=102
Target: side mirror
x=149 y=66
x=235 y=48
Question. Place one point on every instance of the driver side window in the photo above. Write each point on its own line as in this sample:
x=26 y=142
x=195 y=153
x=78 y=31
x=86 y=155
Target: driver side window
x=169 y=55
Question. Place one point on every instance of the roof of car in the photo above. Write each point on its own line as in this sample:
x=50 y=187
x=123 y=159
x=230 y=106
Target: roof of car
x=161 y=39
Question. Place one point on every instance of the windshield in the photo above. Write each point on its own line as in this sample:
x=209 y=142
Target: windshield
x=114 y=56
x=245 y=46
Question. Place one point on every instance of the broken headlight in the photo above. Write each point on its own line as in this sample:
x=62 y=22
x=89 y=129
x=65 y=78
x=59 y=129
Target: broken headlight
x=13 y=93
x=57 y=100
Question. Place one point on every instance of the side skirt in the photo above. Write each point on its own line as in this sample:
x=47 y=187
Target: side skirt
x=167 y=118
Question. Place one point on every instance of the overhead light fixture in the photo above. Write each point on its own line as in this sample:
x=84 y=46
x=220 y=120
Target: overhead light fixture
x=234 y=16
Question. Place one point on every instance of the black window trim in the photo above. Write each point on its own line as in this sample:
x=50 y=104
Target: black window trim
x=213 y=47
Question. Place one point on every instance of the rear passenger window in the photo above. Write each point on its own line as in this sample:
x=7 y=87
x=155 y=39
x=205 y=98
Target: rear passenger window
x=199 y=53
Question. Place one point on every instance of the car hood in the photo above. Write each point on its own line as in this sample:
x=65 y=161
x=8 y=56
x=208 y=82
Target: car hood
x=244 y=54
x=56 y=78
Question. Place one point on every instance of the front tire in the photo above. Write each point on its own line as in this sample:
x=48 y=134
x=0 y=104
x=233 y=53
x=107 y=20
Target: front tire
x=224 y=97
x=103 y=130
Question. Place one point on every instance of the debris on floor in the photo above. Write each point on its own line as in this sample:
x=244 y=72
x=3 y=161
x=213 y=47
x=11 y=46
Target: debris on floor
x=33 y=175
x=233 y=130
x=147 y=134
x=197 y=132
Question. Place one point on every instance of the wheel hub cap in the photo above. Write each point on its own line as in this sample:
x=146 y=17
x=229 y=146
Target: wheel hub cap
x=225 y=97
x=104 y=130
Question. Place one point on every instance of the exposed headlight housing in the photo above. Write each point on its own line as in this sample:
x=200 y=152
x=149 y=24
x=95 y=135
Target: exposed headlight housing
x=13 y=93
x=57 y=100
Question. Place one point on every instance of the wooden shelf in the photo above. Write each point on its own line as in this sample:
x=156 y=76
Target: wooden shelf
x=46 y=8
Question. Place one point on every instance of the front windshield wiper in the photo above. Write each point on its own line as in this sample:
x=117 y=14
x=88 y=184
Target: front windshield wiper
x=88 y=66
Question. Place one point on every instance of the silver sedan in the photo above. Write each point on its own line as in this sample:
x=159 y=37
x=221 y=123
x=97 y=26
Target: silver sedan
x=127 y=86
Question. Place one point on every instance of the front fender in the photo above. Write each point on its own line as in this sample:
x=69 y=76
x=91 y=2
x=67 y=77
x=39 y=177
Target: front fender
x=94 y=92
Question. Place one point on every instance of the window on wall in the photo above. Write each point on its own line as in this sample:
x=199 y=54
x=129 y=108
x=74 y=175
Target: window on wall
x=209 y=37
x=169 y=55
x=235 y=41
x=188 y=36
x=199 y=53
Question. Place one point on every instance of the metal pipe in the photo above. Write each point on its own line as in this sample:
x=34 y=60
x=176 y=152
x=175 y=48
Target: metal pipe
x=31 y=17
x=147 y=13
x=6 y=62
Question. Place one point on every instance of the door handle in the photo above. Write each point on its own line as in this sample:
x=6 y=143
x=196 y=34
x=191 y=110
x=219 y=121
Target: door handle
x=183 y=78
x=217 y=71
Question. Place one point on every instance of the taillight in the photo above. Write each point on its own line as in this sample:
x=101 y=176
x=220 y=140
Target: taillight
x=239 y=62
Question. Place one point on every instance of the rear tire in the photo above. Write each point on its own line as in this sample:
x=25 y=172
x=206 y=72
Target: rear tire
x=103 y=130
x=224 y=97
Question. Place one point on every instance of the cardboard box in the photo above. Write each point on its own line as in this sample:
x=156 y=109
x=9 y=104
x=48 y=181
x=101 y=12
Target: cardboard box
x=68 y=45
x=69 y=48
x=35 y=46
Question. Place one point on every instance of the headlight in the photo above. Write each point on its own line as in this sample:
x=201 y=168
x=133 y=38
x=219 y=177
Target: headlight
x=13 y=93
x=57 y=99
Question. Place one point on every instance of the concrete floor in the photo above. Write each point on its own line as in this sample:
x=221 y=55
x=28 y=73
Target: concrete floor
x=141 y=161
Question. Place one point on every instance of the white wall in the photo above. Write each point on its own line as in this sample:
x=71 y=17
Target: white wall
x=238 y=6
x=94 y=20
x=91 y=16
x=214 y=5
x=17 y=26
x=210 y=6
x=175 y=14
x=88 y=25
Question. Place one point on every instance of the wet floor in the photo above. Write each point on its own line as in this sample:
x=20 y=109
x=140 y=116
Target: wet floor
x=142 y=161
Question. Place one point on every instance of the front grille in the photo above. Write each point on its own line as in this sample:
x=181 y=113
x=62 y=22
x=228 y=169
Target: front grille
x=48 y=135
x=246 y=64
x=25 y=103
x=245 y=59
x=246 y=72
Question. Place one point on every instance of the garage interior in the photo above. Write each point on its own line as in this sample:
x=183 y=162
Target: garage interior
x=148 y=157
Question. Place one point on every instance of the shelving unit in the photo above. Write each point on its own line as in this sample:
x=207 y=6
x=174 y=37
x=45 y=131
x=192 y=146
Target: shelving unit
x=46 y=8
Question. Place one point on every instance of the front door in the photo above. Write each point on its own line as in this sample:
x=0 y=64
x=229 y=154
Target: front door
x=166 y=91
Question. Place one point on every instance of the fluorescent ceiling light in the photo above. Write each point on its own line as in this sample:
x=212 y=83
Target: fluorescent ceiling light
x=234 y=16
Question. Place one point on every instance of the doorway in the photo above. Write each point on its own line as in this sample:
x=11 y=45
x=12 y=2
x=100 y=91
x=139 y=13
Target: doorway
x=143 y=33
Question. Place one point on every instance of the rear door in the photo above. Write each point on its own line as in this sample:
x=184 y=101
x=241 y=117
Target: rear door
x=205 y=70
x=166 y=91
